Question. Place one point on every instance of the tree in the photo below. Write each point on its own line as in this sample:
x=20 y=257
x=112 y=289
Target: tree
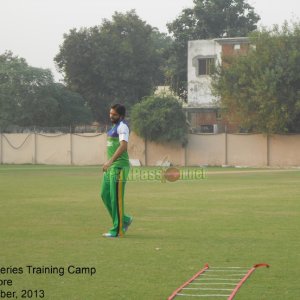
x=114 y=62
x=206 y=20
x=72 y=109
x=261 y=90
x=162 y=44
x=159 y=118
x=29 y=96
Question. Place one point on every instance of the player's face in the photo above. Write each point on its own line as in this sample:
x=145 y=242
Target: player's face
x=114 y=116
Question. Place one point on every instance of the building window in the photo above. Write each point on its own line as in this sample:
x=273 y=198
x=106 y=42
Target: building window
x=218 y=115
x=207 y=128
x=206 y=66
x=237 y=47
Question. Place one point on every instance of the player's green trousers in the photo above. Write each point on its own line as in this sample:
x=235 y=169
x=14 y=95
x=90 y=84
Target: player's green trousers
x=112 y=194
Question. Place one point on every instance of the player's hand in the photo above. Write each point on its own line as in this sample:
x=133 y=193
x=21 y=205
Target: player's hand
x=106 y=166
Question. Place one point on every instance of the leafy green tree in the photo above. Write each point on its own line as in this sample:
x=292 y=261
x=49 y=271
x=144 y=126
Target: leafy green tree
x=206 y=20
x=162 y=44
x=261 y=90
x=114 y=62
x=72 y=109
x=29 y=96
x=159 y=118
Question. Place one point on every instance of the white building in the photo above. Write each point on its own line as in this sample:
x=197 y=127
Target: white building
x=203 y=56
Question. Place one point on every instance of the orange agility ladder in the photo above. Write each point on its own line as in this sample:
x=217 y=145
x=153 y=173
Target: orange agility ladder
x=216 y=282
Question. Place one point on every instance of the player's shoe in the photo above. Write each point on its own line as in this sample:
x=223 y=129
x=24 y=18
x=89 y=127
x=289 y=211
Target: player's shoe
x=128 y=224
x=109 y=235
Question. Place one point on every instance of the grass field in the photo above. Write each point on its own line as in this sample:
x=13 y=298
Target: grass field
x=52 y=215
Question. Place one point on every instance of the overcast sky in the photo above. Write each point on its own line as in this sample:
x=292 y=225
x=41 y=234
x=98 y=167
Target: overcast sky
x=34 y=29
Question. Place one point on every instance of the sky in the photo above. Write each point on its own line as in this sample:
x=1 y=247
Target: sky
x=33 y=29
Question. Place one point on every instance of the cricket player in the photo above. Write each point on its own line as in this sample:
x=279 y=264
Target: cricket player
x=115 y=172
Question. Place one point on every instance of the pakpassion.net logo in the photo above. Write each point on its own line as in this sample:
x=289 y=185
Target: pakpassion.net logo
x=162 y=174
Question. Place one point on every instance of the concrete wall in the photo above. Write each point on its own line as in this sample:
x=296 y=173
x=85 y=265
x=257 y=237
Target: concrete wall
x=58 y=149
x=205 y=149
x=284 y=150
x=53 y=149
x=247 y=150
x=88 y=149
x=17 y=148
x=167 y=151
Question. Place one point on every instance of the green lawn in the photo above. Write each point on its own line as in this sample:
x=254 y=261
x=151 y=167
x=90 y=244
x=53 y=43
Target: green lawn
x=52 y=215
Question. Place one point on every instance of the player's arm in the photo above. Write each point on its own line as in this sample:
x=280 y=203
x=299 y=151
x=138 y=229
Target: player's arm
x=119 y=151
